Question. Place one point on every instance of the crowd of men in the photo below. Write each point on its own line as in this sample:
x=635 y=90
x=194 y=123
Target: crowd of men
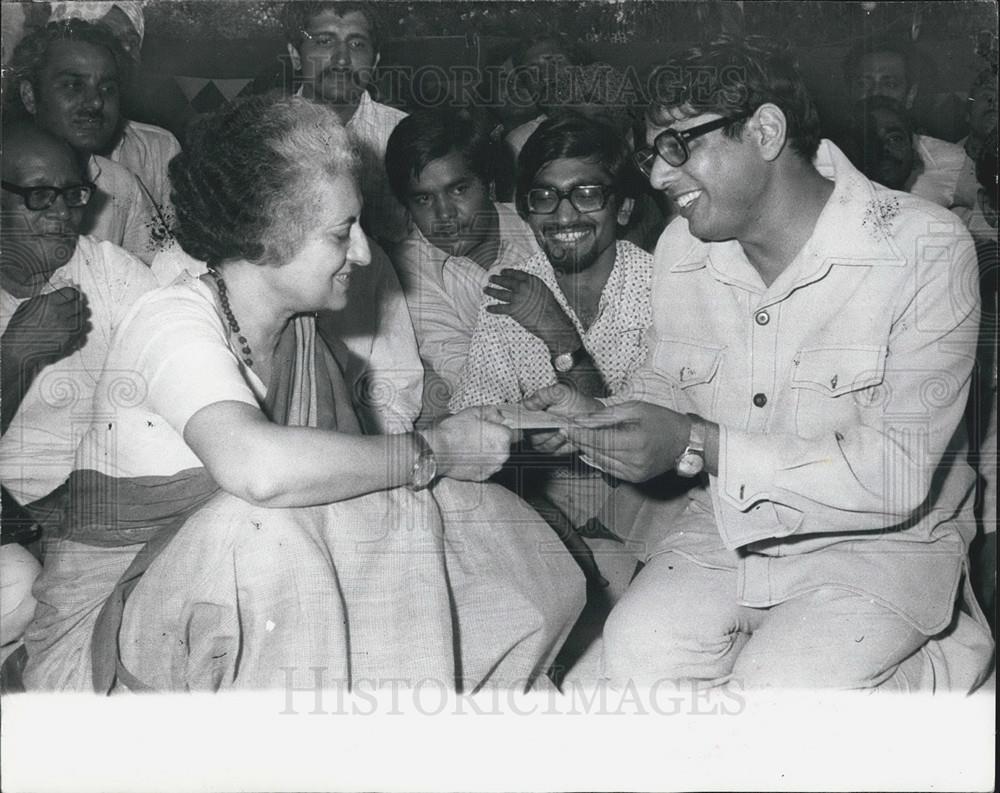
x=702 y=290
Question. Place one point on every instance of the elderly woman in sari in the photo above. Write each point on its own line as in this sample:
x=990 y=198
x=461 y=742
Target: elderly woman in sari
x=227 y=525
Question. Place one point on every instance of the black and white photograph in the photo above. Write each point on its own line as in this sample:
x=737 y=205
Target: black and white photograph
x=544 y=395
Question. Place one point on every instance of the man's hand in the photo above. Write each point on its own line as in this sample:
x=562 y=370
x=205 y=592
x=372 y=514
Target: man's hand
x=634 y=441
x=563 y=400
x=47 y=328
x=527 y=299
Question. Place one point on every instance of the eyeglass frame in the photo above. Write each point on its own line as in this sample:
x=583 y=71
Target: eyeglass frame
x=607 y=191
x=645 y=156
x=311 y=37
x=23 y=191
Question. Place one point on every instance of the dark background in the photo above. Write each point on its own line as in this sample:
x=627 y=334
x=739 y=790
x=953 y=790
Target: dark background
x=199 y=54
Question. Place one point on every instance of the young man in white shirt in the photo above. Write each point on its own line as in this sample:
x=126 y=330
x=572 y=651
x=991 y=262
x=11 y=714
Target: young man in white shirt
x=800 y=328
x=441 y=167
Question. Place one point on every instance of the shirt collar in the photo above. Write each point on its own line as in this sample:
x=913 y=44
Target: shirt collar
x=516 y=239
x=854 y=228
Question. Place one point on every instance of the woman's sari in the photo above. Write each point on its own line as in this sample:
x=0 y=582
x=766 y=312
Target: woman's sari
x=461 y=584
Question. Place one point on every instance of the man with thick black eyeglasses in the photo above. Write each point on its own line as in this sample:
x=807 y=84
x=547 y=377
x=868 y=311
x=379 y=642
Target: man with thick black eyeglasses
x=61 y=296
x=800 y=326
x=575 y=313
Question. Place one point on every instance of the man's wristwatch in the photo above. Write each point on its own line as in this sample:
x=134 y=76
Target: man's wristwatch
x=425 y=466
x=565 y=361
x=692 y=459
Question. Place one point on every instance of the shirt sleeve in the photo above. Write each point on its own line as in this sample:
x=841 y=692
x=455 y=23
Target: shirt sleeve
x=878 y=472
x=394 y=376
x=182 y=357
x=444 y=314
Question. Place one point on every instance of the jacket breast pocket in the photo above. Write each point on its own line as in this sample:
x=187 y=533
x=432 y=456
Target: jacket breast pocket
x=833 y=384
x=691 y=367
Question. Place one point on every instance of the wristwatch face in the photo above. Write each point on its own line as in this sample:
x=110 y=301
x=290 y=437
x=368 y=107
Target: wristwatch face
x=690 y=463
x=563 y=362
x=424 y=471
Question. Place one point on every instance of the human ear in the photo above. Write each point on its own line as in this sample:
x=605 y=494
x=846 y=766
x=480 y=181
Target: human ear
x=625 y=211
x=27 y=92
x=296 y=58
x=769 y=130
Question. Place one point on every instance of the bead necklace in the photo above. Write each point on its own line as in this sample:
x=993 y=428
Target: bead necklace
x=234 y=326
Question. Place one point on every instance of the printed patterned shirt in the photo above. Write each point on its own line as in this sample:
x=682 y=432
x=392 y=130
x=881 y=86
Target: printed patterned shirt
x=506 y=362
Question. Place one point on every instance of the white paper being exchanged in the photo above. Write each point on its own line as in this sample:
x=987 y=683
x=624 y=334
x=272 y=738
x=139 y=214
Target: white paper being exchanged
x=521 y=418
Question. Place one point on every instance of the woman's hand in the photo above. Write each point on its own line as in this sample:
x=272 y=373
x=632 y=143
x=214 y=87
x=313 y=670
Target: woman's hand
x=471 y=445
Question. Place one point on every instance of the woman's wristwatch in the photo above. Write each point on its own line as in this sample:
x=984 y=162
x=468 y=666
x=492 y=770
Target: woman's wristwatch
x=692 y=459
x=424 y=469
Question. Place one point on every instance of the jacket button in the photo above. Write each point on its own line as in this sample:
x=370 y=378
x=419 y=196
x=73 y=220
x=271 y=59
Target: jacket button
x=760 y=400
x=762 y=318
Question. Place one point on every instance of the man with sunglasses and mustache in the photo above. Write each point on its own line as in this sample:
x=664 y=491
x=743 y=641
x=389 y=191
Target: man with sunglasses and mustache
x=577 y=312
x=61 y=297
x=809 y=362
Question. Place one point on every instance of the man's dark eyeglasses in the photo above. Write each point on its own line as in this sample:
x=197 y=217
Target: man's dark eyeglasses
x=672 y=144
x=585 y=198
x=42 y=197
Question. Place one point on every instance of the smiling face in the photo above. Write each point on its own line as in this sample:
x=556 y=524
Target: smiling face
x=35 y=243
x=716 y=190
x=574 y=241
x=337 y=57
x=318 y=276
x=451 y=206
x=77 y=95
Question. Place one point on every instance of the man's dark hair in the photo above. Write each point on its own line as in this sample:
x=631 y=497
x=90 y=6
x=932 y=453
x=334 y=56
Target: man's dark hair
x=295 y=17
x=571 y=137
x=896 y=45
x=32 y=53
x=432 y=133
x=986 y=171
x=733 y=77
x=574 y=51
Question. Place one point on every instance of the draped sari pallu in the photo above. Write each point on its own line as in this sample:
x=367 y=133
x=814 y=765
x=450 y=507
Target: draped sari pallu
x=461 y=586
